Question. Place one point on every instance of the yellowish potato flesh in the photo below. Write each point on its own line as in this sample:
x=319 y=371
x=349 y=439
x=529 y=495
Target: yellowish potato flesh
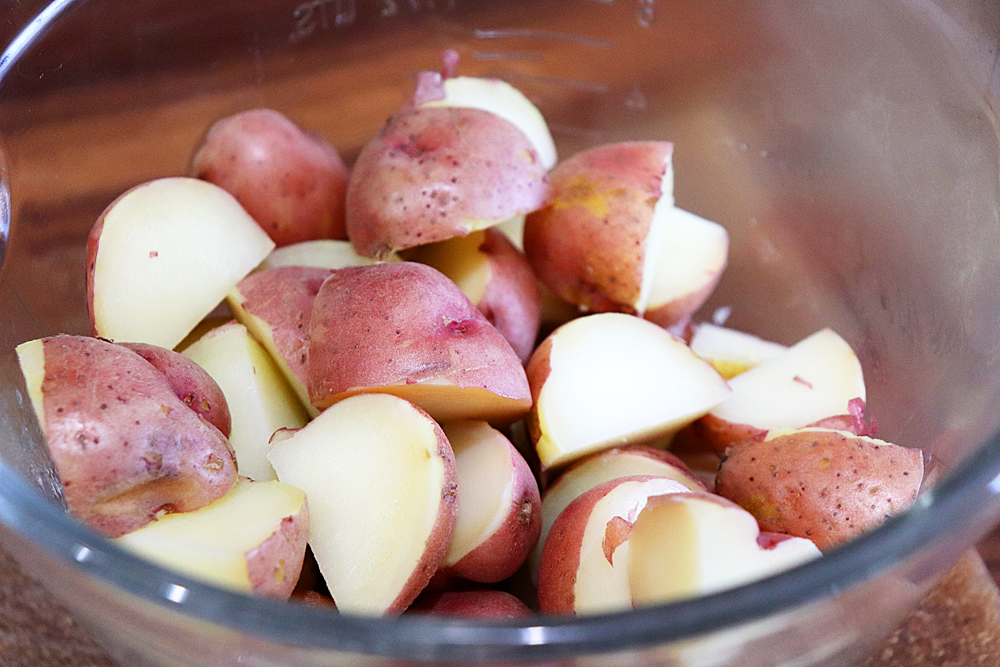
x=166 y=254
x=260 y=400
x=485 y=477
x=31 y=357
x=212 y=543
x=731 y=351
x=321 y=253
x=447 y=402
x=616 y=378
x=814 y=379
x=377 y=486
x=459 y=259
x=684 y=545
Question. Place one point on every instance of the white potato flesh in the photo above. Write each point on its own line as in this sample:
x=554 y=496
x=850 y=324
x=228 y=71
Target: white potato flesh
x=687 y=545
x=504 y=100
x=731 y=351
x=660 y=230
x=486 y=479
x=168 y=252
x=615 y=379
x=321 y=253
x=596 y=470
x=211 y=543
x=603 y=586
x=814 y=379
x=692 y=253
x=371 y=469
x=260 y=399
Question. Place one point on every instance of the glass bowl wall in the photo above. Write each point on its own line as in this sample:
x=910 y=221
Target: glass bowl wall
x=849 y=147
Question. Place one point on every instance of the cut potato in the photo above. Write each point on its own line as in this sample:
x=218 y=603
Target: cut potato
x=497 y=279
x=829 y=486
x=126 y=448
x=380 y=477
x=685 y=545
x=603 y=467
x=597 y=243
x=275 y=306
x=163 y=255
x=405 y=329
x=253 y=539
x=610 y=379
x=322 y=254
x=259 y=397
x=584 y=563
x=732 y=352
x=500 y=516
x=692 y=255
x=439 y=172
x=815 y=379
x=499 y=98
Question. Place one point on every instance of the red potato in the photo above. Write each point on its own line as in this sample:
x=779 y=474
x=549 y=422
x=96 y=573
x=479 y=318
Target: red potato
x=275 y=306
x=260 y=399
x=596 y=243
x=253 y=539
x=291 y=182
x=496 y=277
x=500 y=517
x=603 y=467
x=382 y=486
x=582 y=569
x=321 y=253
x=435 y=173
x=163 y=255
x=484 y=604
x=404 y=328
x=609 y=379
x=190 y=382
x=817 y=378
x=731 y=351
x=126 y=448
x=687 y=544
x=828 y=486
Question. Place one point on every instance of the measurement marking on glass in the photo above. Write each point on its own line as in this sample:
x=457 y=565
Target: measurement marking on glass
x=529 y=56
x=646 y=12
x=588 y=86
x=321 y=15
x=525 y=33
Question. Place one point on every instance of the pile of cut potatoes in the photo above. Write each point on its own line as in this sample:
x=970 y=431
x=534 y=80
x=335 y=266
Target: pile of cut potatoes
x=459 y=367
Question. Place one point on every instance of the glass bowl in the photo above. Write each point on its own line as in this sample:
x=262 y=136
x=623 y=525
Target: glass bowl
x=849 y=146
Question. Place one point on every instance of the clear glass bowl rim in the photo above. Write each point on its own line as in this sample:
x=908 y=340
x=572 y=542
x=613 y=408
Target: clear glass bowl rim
x=960 y=497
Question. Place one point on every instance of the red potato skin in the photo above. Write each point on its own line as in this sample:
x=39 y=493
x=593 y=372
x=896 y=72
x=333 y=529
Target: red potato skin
x=190 y=382
x=512 y=302
x=588 y=244
x=537 y=372
x=719 y=435
x=503 y=553
x=431 y=171
x=125 y=447
x=284 y=298
x=414 y=326
x=827 y=486
x=292 y=183
x=484 y=604
x=274 y=566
